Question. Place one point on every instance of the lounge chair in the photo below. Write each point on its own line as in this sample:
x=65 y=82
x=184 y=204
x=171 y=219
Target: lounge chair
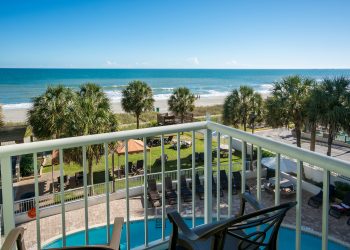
x=65 y=181
x=153 y=194
x=342 y=208
x=139 y=167
x=230 y=233
x=237 y=182
x=15 y=238
x=169 y=139
x=170 y=193
x=186 y=193
x=199 y=188
x=214 y=187
x=223 y=179
x=316 y=200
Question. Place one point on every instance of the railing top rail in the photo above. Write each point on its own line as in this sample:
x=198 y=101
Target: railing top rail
x=72 y=142
x=314 y=158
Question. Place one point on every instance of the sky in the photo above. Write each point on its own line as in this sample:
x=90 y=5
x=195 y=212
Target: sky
x=175 y=34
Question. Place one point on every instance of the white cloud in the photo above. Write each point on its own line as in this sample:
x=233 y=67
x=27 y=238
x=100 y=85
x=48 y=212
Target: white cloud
x=193 y=60
x=232 y=62
x=110 y=63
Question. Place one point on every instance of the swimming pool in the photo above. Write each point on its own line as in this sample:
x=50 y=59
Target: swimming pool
x=97 y=235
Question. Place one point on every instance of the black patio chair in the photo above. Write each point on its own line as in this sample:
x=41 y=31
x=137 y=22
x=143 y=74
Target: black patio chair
x=153 y=194
x=170 y=193
x=316 y=200
x=223 y=179
x=342 y=208
x=186 y=193
x=169 y=139
x=199 y=188
x=230 y=233
x=214 y=188
x=237 y=182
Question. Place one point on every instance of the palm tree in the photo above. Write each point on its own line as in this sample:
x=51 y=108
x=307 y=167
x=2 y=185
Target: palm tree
x=336 y=116
x=137 y=98
x=50 y=112
x=287 y=103
x=181 y=102
x=92 y=115
x=1 y=117
x=315 y=106
x=243 y=107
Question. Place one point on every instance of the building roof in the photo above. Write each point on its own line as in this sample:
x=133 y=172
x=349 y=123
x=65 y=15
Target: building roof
x=12 y=133
x=134 y=147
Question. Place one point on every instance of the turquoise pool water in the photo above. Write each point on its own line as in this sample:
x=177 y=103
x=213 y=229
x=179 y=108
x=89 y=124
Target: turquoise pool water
x=98 y=236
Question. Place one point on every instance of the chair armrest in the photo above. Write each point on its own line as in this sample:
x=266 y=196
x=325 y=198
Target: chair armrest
x=15 y=237
x=249 y=198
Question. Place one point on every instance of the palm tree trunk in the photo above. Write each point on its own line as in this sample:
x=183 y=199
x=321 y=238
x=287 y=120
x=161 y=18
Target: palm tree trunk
x=298 y=135
x=137 y=121
x=313 y=137
x=182 y=118
x=330 y=141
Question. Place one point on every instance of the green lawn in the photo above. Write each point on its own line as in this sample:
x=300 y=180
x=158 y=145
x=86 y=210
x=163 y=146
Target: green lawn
x=155 y=152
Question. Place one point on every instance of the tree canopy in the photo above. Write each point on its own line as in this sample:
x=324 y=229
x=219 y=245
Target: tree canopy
x=137 y=98
x=181 y=102
x=243 y=107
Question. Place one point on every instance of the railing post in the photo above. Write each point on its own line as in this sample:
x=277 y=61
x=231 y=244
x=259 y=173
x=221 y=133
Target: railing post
x=7 y=194
x=194 y=178
x=145 y=200
x=277 y=179
x=86 y=197
x=258 y=170
x=325 y=209
x=106 y=151
x=178 y=171
x=244 y=164
x=37 y=205
x=298 y=206
x=127 y=195
x=208 y=171
x=218 y=178
x=163 y=185
x=230 y=177
x=63 y=204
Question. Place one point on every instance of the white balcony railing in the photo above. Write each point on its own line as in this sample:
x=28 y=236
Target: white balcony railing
x=328 y=165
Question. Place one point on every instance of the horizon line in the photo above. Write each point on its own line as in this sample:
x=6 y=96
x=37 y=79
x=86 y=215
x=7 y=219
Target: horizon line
x=340 y=68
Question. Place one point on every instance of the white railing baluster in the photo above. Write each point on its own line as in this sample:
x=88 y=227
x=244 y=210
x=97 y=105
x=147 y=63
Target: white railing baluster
x=298 y=206
x=106 y=149
x=218 y=178
x=163 y=184
x=145 y=200
x=244 y=164
x=229 y=212
x=208 y=171
x=258 y=180
x=37 y=205
x=277 y=179
x=127 y=195
x=325 y=209
x=178 y=148
x=7 y=194
x=63 y=208
x=193 y=178
x=86 y=197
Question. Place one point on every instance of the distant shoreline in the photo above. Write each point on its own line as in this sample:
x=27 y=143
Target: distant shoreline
x=19 y=115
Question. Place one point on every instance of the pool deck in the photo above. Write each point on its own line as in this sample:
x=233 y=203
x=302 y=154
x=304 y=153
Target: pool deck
x=51 y=226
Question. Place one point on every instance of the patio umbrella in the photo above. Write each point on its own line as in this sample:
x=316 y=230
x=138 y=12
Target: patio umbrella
x=134 y=147
x=286 y=165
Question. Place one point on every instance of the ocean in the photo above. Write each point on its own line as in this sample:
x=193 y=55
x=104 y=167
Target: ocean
x=18 y=86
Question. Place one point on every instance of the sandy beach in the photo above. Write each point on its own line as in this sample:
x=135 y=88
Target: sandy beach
x=20 y=115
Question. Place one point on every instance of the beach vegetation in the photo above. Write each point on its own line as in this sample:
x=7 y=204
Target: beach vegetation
x=92 y=115
x=50 y=112
x=335 y=116
x=181 y=102
x=1 y=117
x=287 y=103
x=243 y=107
x=137 y=98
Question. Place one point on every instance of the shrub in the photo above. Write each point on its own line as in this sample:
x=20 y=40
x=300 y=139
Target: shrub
x=26 y=165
